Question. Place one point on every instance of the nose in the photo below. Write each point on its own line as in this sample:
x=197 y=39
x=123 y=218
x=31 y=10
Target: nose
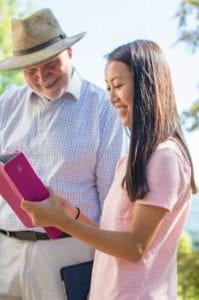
x=40 y=75
x=112 y=96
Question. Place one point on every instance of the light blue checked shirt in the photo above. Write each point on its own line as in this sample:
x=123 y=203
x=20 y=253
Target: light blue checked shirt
x=73 y=143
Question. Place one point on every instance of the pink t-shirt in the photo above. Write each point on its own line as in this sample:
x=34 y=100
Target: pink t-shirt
x=154 y=276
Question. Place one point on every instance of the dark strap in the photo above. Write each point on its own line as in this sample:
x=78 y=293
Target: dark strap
x=29 y=235
x=41 y=46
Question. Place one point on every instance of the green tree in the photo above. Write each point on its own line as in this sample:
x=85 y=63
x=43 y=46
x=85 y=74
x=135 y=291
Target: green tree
x=8 y=9
x=188 y=266
x=188 y=25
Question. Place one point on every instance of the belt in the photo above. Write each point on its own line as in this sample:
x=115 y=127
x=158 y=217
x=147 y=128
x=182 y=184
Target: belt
x=29 y=235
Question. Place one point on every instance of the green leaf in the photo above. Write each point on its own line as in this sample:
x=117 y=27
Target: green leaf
x=8 y=9
x=193 y=2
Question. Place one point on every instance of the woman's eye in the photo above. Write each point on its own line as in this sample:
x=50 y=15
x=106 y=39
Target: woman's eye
x=118 y=86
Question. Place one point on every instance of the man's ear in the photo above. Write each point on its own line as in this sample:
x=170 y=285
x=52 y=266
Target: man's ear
x=70 y=52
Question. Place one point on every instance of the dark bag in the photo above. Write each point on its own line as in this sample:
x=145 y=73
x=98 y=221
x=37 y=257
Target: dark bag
x=77 y=280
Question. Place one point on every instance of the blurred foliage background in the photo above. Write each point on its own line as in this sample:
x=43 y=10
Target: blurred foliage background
x=188 y=267
x=8 y=9
x=188 y=259
x=188 y=33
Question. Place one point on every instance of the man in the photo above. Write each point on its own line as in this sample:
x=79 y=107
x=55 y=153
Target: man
x=71 y=136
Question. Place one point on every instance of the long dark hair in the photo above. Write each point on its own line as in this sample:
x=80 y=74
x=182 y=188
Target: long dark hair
x=154 y=112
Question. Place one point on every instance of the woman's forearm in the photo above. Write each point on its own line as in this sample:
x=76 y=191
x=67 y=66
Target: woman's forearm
x=120 y=244
x=130 y=244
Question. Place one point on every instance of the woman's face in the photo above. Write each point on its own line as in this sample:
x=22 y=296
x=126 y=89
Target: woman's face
x=119 y=82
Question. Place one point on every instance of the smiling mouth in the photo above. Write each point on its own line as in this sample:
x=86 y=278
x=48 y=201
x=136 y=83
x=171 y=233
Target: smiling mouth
x=49 y=86
x=121 y=109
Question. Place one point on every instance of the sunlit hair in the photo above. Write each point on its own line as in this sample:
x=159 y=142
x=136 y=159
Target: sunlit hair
x=155 y=117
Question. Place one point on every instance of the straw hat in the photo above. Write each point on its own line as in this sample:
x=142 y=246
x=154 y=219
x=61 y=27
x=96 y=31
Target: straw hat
x=36 y=39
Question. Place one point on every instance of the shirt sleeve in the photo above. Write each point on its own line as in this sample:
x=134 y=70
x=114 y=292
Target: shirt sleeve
x=109 y=151
x=165 y=179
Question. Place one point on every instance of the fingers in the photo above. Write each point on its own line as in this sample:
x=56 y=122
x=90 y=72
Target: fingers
x=31 y=208
x=27 y=205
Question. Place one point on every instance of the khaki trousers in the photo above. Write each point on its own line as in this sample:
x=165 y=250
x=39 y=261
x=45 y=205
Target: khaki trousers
x=31 y=270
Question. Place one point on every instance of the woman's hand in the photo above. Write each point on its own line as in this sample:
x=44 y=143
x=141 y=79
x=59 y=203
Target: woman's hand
x=53 y=211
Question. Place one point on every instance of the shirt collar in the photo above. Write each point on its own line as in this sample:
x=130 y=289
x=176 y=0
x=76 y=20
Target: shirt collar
x=73 y=88
x=74 y=84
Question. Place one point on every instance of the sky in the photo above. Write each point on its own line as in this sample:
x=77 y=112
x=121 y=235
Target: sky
x=109 y=23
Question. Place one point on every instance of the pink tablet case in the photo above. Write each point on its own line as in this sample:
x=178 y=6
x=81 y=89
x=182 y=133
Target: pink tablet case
x=18 y=180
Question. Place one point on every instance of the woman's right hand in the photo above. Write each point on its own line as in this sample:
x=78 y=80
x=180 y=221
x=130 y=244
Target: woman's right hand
x=52 y=211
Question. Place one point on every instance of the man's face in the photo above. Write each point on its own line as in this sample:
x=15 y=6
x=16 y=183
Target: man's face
x=50 y=78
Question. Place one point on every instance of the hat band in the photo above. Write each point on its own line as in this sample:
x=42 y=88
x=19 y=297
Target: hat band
x=41 y=46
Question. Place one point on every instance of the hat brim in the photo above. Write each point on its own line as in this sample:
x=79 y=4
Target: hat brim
x=24 y=61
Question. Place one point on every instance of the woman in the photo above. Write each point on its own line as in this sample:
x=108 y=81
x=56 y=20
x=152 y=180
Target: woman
x=148 y=203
